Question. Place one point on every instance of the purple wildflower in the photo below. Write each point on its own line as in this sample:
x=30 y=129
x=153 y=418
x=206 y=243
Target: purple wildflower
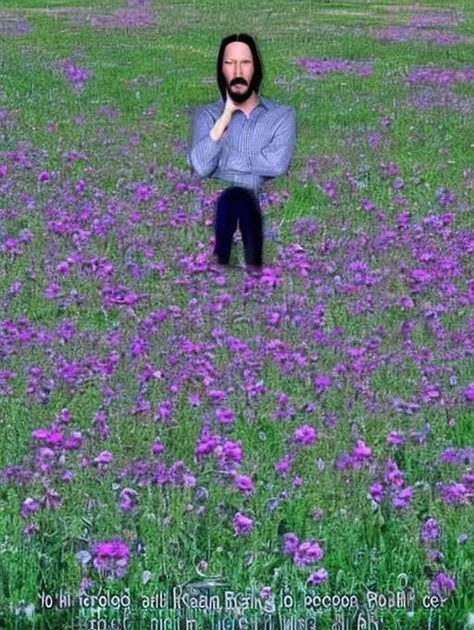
x=395 y=438
x=111 y=557
x=320 y=576
x=290 y=544
x=52 y=438
x=305 y=435
x=402 y=500
x=157 y=447
x=308 y=552
x=323 y=382
x=244 y=484
x=361 y=451
x=429 y=531
x=456 y=493
x=243 y=525
x=283 y=466
x=225 y=416
x=393 y=475
x=376 y=492
x=442 y=585
x=103 y=458
x=469 y=393
x=30 y=506
x=128 y=498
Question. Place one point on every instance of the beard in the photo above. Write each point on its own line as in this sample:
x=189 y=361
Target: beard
x=240 y=92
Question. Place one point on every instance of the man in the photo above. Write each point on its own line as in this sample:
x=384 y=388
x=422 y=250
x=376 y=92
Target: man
x=244 y=140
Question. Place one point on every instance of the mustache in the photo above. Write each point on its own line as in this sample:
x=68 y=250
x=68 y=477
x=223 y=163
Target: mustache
x=238 y=82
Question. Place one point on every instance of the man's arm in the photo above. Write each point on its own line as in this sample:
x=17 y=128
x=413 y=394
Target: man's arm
x=274 y=159
x=206 y=147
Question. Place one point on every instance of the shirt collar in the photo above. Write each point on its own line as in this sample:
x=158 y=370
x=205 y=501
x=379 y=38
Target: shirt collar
x=262 y=102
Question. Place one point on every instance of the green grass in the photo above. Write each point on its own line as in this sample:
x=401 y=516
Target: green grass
x=363 y=549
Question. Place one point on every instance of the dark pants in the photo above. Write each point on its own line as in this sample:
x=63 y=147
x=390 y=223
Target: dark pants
x=239 y=204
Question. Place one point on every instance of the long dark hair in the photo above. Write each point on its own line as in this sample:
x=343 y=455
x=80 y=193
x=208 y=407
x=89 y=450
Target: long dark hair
x=257 y=62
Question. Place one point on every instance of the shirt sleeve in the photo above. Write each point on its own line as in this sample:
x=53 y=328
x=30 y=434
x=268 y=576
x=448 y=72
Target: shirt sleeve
x=274 y=159
x=271 y=161
x=204 y=152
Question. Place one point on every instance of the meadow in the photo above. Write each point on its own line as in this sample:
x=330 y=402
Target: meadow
x=173 y=431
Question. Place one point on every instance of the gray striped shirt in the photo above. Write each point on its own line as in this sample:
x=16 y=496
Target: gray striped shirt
x=253 y=149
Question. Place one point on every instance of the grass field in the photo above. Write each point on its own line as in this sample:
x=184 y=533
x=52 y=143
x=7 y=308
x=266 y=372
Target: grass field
x=177 y=436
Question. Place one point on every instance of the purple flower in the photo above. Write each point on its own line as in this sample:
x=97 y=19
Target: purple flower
x=442 y=585
x=435 y=555
x=393 y=475
x=112 y=549
x=31 y=529
x=376 y=492
x=86 y=584
x=30 y=506
x=469 y=393
x=402 y=499
x=180 y=475
x=52 y=499
x=242 y=524
x=225 y=416
x=456 y=493
x=103 y=458
x=244 y=484
x=266 y=592
x=308 y=553
x=320 y=576
x=52 y=438
x=305 y=435
x=231 y=452
x=74 y=442
x=344 y=461
x=419 y=275
x=395 y=438
x=297 y=482
x=128 y=499
x=157 y=447
x=111 y=557
x=207 y=445
x=323 y=382
x=429 y=531
x=405 y=301
x=290 y=544
x=283 y=466
x=469 y=478
x=361 y=451
x=449 y=455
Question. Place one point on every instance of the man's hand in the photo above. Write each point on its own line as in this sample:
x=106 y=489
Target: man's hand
x=230 y=106
x=223 y=122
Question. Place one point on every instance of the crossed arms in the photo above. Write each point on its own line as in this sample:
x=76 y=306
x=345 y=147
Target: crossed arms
x=273 y=160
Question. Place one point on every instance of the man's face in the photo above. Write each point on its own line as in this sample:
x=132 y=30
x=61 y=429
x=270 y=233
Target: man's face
x=239 y=71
